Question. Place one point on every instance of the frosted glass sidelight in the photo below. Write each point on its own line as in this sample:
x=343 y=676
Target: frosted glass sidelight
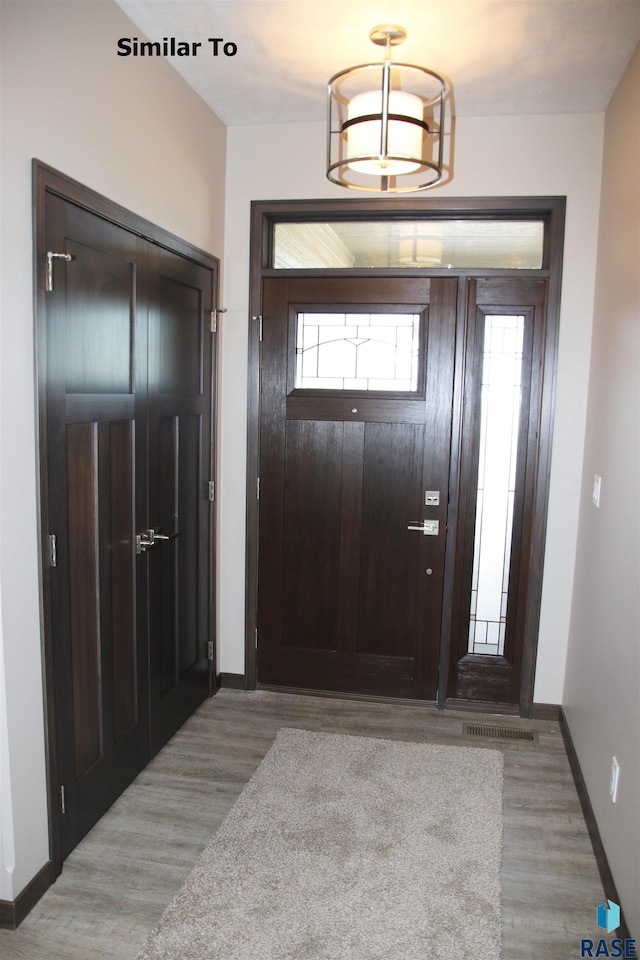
x=357 y=351
x=499 y=427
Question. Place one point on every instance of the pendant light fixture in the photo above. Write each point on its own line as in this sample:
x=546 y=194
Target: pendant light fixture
x=386 y=123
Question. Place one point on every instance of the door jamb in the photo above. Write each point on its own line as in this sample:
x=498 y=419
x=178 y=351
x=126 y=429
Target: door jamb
x=264 y=214
x=47 y=180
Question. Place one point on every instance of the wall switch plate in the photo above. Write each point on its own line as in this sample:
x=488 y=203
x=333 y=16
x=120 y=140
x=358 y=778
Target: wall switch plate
x=615 y=777
x=597 y=483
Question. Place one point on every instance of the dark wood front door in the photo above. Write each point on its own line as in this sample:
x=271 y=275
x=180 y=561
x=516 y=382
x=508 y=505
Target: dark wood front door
x=126 y=387
x=354 y=458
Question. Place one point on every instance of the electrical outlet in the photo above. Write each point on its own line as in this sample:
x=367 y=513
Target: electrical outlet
x=614 y=779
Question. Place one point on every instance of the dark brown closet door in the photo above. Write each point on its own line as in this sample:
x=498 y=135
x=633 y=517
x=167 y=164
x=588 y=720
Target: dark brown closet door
x=350 y=593
x=180 y=467
x=96 y=435
x=129 y=441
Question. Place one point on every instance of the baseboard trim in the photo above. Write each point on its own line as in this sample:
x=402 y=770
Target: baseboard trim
x=13 y=912
x=232 y=681
x=546 y=711
x=608 y=883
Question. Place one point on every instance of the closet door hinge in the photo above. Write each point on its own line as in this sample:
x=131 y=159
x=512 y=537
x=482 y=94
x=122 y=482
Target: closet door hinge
x=63 y=800
x=214 y=318
x=256 y=638
x=257 y=488
x=53 y=550
x=210 y=650
x=258 y=317
x=48 y=285
x=212 y=491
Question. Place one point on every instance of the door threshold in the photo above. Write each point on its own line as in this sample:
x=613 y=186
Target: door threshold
x=473 y=706
x=346 y=695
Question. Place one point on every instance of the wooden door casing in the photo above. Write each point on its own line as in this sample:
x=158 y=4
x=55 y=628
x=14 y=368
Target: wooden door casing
x=550 y=211
x=345 y=599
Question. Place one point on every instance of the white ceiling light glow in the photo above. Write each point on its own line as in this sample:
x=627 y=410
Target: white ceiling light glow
x=386 y=123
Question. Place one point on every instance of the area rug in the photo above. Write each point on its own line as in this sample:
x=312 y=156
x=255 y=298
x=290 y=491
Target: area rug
x=349 y=848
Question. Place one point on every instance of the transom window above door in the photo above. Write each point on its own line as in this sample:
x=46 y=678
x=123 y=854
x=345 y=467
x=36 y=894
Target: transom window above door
x=410 y=244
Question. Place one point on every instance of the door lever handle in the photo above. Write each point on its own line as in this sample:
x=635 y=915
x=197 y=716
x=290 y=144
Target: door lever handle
x=149 y=538
x=430 y=528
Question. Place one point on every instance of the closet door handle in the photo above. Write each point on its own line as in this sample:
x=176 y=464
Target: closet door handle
x=149 y=538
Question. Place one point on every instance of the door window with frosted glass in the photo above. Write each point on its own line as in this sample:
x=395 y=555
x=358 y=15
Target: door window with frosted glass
x=357 y=351
x=499 y=429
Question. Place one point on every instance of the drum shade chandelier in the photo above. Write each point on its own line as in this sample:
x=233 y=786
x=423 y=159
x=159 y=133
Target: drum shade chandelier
x=386 y=123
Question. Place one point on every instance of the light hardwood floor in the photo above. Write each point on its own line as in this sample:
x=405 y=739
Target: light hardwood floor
x=117 y=882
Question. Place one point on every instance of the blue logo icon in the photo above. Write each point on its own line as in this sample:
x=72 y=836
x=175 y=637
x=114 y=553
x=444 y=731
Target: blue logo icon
x=609 y=919
x=609 y=916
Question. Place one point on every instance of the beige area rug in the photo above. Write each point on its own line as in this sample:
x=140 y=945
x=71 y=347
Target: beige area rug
x=349 y=848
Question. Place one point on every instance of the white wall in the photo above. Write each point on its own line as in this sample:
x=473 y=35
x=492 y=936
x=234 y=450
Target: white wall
x=130 y=129
x=495 y=156
x=601 y=698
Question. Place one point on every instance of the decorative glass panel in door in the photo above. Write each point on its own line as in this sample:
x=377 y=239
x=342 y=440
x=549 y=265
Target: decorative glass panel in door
x=357 y=351
x=499 y=421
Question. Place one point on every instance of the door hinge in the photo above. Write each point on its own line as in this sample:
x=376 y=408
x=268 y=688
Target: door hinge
x=257 y=488
x=214 y=318
x=260 y=329
x=53 y=550
x=210 y=650
x=49 y=275
x=212 y=491
x=63 y=799
x=256 y=638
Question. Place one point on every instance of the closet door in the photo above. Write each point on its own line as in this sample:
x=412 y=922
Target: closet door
x=180 y=452
x=126 y=382
x=95 y=441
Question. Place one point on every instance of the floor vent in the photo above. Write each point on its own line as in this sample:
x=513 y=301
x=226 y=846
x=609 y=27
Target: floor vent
x=498 y=733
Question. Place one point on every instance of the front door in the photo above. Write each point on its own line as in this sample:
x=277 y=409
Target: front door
x=126 y=363
x=356 y=410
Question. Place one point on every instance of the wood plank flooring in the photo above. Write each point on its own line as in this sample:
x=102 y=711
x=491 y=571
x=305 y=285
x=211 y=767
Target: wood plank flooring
x=117 y=882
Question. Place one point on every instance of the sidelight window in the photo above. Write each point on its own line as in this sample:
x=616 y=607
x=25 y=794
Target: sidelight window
x=499 y=429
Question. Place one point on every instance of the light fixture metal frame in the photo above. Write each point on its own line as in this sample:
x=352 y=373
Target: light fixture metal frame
x=337 y=104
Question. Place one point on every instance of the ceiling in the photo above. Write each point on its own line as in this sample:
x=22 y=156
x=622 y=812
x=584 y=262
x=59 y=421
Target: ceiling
x=501 y=57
